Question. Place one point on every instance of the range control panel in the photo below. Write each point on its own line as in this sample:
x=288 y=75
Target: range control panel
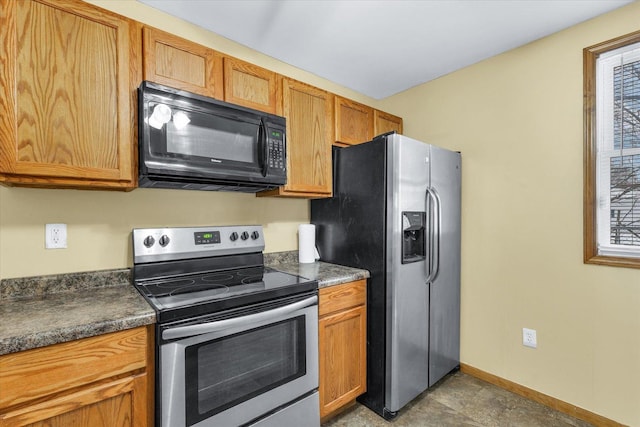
x=162 y=244
x=206 y=237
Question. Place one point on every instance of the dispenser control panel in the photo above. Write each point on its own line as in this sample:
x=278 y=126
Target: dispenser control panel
x=413 y=236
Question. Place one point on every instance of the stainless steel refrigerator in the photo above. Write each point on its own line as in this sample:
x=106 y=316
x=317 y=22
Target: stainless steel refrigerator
x=395 y=211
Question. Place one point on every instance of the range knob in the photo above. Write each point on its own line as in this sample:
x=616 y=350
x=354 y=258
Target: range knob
x=255 y=235
x=244 y=235
x=149 y=241
x=233 y=236
x=164 y=240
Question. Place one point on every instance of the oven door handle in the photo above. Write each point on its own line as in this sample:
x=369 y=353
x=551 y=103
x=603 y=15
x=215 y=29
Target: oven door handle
x=205 y=328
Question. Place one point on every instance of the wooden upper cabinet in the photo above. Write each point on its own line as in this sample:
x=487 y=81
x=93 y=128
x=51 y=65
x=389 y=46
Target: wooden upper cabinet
x=354 y=121
x=385 y=122
x=182 y=64
x=251 y=86
x=309 y=113
x=67 y=95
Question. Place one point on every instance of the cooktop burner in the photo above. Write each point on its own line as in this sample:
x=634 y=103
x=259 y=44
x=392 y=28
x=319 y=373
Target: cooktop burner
x=217 y=285
x=219 y=290
x=211 y=282
x=183 y=288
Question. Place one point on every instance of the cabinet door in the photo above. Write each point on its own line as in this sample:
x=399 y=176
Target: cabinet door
x=252 y=86
x=106 y=380
x=309 y=113
x=354 y=122
x=120 y=402
x=385 y=122
x=342 y=344
x=182 y=64
x=67 y=94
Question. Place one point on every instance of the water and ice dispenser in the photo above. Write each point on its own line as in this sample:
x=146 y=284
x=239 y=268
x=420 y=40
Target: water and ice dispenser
x=413 y=235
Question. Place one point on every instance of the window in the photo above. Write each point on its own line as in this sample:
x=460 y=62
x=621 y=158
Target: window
x=612 y=152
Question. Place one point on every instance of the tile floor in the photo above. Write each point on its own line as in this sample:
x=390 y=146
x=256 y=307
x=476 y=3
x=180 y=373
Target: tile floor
x=461 y=400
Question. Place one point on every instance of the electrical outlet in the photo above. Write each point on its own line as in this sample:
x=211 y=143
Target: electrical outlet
x=529 y=338
x=55 y=236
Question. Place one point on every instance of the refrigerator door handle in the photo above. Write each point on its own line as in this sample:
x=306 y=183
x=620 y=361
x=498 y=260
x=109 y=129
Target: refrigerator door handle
x=434 y=234
x=428 y=241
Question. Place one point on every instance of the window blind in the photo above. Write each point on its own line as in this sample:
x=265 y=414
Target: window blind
x=618 y=155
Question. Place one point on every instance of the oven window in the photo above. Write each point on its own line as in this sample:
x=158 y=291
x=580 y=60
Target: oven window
x=236 y=368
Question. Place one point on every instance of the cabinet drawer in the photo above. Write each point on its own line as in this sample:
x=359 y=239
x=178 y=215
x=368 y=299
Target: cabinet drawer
x=32 y=374
x=343 y=296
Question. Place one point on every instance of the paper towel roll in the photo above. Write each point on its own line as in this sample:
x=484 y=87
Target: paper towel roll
x=306 y=243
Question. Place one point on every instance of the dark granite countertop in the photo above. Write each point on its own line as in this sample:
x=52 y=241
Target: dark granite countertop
x=45 y=310
x=326 y=274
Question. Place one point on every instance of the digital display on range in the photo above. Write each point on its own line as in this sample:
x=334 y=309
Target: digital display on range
x=206 y=237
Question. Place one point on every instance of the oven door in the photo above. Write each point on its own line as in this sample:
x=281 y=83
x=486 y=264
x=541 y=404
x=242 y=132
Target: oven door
x=229 y=372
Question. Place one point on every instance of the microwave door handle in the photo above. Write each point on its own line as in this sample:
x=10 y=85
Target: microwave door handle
x=264 y=148
x=205 y=328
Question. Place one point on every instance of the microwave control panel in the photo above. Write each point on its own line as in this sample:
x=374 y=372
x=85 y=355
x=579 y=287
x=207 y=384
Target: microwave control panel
x=276 y=149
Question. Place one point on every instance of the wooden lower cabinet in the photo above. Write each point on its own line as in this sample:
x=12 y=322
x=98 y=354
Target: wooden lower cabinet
x=342 y=336
x=99 y=381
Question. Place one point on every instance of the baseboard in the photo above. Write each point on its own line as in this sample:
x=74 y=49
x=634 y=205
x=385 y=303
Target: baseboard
x=551 y=402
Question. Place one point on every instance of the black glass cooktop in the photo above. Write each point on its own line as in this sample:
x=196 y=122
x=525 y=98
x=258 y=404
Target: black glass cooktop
x=210 y=292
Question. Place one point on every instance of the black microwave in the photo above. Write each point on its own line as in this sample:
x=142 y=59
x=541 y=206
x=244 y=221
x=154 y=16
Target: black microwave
x=189 y=141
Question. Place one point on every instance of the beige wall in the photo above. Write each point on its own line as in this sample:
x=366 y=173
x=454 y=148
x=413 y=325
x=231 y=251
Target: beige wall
x=100 y=223
x=517 y=119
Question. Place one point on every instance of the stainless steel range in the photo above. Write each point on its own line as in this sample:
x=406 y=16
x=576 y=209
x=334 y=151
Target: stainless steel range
x=237 y=342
